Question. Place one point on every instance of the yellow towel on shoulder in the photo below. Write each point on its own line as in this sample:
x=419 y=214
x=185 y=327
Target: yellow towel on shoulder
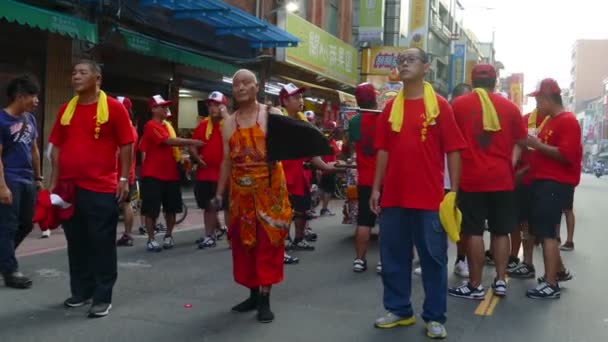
x=209 y=128
x=176 y=153
x=532 y=121
x=102 y=116
x=431 y=107
x=488 y=112
x=450 y=216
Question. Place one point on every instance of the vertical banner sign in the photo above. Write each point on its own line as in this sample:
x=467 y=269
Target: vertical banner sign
x=371 y=20
x=516 y=83
x=458 y=64
x=419 y=23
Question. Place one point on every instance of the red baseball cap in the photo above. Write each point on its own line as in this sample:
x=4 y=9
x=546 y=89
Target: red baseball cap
x=217 y=97
x=483 y=71
x=125 y=102
x=156 y=101
x=365 y=92
x=548 y=86
x=290 y=89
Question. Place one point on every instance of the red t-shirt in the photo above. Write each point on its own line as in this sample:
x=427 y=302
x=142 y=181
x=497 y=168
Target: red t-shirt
x=87 y=161
x=487 y=162
x=159 y=161
x=364 y=148
x=332 y=157
x=296 y=179
x=414 y=173
x=526 y=155
x=211 y=153
x=564 y=132
x=133 y=161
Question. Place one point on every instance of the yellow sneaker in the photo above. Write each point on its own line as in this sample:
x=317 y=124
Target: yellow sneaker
x=390 y=321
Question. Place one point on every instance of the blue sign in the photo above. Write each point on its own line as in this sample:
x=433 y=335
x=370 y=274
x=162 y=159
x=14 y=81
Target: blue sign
x=458 y=65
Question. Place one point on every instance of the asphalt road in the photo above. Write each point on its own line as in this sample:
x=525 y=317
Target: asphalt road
x=321 y=299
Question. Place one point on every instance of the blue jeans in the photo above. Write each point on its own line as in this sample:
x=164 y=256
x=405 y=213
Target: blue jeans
x=15 y=223
x=401 y=229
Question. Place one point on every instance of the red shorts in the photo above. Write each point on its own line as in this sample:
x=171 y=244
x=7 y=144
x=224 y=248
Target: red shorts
x=261 y=265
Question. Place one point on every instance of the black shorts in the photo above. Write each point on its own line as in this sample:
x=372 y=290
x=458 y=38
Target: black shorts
x=569 y=203
x=498 y=207
x=155 y=192
x=204 y=192
x=549 y=199
x=365 y=216
x=300 y=204
x=328 y=183
x=523 y=195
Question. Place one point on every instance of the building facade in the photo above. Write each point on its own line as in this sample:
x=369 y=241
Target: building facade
x=587 y=72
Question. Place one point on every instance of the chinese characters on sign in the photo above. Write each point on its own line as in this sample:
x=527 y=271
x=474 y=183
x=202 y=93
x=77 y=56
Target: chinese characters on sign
x=321 y=52
x=458 y=65
x=379 y=60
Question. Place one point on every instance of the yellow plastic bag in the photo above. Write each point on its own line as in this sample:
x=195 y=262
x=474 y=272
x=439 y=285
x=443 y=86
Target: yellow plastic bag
x=450 y=216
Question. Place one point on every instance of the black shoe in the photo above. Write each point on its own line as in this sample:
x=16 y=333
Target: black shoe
x=76 y=302
x=264 y=313
x=544 y=291
x=248 y=304
x=17 y=280
x=489 y=258
x=99 y=310
x=513 y=263
x=522 y=271
x=125 y=241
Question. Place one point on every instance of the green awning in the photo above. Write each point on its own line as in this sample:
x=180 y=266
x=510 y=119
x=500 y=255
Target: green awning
x=150 y=46
x=43 y=19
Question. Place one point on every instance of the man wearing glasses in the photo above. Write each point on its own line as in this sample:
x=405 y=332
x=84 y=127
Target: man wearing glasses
x=413 y=133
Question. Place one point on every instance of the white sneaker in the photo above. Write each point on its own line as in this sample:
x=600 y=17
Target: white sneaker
x=46 y=234
x=418 y=271
x=461 y=269
x=379 y=267
x=168 y=242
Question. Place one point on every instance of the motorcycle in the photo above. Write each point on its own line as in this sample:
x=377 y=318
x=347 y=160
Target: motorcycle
x=598 y=172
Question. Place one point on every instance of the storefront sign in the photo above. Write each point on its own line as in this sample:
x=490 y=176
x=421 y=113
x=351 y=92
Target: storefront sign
x=458 y=64
x=320 y=52
x=379 y=60
x=371 y=20
x=419 y=23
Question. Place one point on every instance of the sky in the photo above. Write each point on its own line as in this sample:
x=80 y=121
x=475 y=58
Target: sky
x=536 y=36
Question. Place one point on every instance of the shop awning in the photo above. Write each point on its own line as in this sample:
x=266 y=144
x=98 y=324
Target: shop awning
x=150 y=46
x=228 y=20
x=43 y=19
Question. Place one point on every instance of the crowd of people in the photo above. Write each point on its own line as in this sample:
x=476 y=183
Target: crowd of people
x=512 y=175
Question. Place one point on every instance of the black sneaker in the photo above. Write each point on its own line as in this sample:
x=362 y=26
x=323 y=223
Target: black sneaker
x=500 y=288
x=207 y=242
x=301 y=245
x=513 y=263
x=562 y=276
x=289 y=259
x=125 y=241
x=522 y=271
x=221 y=232
x=489 y=258
x=99 y=310
x=309 y=235
x=76 y=302
x=17 y=280
x=544 y=291
x=467 y=291
x=567 y=246
x=142 y=230
x=359 y=265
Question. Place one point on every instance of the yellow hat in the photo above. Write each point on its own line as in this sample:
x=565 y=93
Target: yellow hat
x=450 y=216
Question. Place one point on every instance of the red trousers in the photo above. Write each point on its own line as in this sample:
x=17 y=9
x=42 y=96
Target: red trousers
x=260 y=265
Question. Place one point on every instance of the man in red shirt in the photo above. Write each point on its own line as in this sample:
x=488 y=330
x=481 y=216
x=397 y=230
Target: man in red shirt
x=492 y=127
x=298 y=184
x=556 y=172
x=85 y=137
x=127 y=211
x=411 y=142
x=160 y=182
x=534 y=122
x=362 y=130
x=209 y=158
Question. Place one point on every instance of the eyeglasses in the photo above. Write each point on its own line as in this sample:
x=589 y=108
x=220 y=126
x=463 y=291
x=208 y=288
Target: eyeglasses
x=408 y=59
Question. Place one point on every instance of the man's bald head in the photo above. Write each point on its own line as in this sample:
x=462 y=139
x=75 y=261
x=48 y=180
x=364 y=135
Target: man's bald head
x=245 y=74
x=244 y=86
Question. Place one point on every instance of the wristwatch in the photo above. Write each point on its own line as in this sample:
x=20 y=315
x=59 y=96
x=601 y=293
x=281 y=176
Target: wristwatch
x=123 y=179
